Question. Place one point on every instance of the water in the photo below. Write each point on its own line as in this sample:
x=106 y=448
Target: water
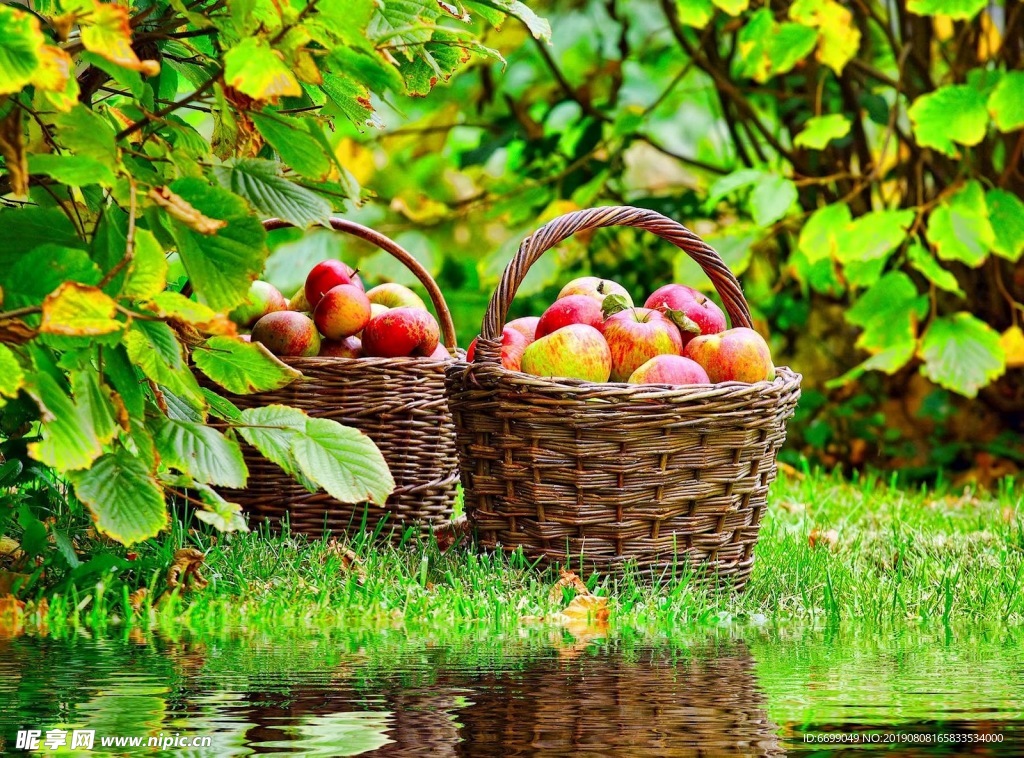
x=733 y=691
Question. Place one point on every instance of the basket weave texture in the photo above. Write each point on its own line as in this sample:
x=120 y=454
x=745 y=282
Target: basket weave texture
x=398 y=402
x=609 y=474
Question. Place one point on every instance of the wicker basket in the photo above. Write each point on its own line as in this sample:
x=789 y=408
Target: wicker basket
x=608 y=474
x=398 y=402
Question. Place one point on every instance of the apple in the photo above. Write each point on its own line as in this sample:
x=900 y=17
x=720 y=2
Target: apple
x=636 y=335
x=513 y=343
x=577 y=351
x=262 y=298
x=342 y=311
x=400 y=332
x=669 y=369
x=245 y=337
x=572 y=309
x=440 y=353
x=327 y=275
x=349 y=347
x=735 y=355
x=395 y=295
x=287 y=333
x=527 y=326
x=595 y=287
x=298 y=302
x=695 y=306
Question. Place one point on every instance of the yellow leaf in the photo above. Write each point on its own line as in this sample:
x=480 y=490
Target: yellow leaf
x=255 y=69
x=1012 y=342
x=77 y=310
x=19 y=48
x=176 y=306
x=357 y=158
x=55 y=82
x=107 y=32
x=839 y=37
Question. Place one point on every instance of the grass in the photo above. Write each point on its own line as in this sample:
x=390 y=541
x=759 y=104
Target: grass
x=882 y=555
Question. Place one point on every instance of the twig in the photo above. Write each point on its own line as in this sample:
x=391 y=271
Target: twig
x=129 y=245
x=206 y=87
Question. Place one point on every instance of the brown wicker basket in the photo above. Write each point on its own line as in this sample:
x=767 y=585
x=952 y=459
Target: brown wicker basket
x=608 y=474
x=398 y=402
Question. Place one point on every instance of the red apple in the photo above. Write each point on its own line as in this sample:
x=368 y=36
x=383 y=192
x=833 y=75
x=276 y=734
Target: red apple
x=527 y=326
x=395 y=295
x=325 y=276
x=669 y=369
x=440 y=353
x=263 y=298
x=287 y=333
x=572 y=309
x=735 y=355
x=350 y=347
x=342 y=312
x=400 y=332
x=594 y=287
x=577 y=351
x=695 y=306
x=513 y=343
x=636 y=335
x=298 y=302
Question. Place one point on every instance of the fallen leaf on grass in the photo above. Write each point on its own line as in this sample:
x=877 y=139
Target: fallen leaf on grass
x=586 y=608
x=349 y=560
x=10 y=580
x=137 y=598
x=567 y=579
x=823 y=538
x=184 y=571
x=586 y=616
x=12 y=611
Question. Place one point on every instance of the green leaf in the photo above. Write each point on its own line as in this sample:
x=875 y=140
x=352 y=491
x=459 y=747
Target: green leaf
x=343 y=461
x=75 y=310
x=889 y=361
x=954 y=113
x=695 y=13
x=68 y=439
x=538 y=26
x=1006 y=103
x=768 y=48
x=962 y=353
x=221 y=407
x=821 y=130
x=219 y=513
x=352 y=99
x=254 y=68
x=960 y=229
x=222 y=265
x=242 y=367
x=271 y=429
x=922 y=260
x=27 y=229
x=124 y=498
x=12 y=376
x=147 y=271
x=38 y=273
x=961 y=9
x=86 y=133
x=20 y=41
x=888 y=312
x=201 y=452
x=94 y=404
x=733 y=7
x=1006 y=214
x=261 y=183
x=729 y=183
x=126 y=380
x=866 y=244
x=820 y=236
x=77 y=170
x=291 y=138
x=154 y=348
x=771 y=198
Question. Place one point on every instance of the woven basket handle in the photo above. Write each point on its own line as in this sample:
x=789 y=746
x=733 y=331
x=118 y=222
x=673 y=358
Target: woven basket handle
x=563 y=227
x=388 y=245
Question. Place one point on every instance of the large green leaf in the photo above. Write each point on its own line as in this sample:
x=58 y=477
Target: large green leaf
x=888 y=312
x=954 y=113
x=257 y=70
x=222 y=265
x=201 y=452
x=38 y=273
x=261 y=183
x=1006 y=214
x=76 y=170
x=962 y=353
x=960 y=228
x=1006 y=103
x=12 y=376
x=154 y=348
x=127 y=381
x=820 y=237
x=242 y=367
x=890 y=361
x=26 y=229
x=821 y=130
x=94 y=404
x=147 y=271
x=538 y=26
x=922 y=260
x=343 y=461
x=299 y=142
x=271 y=429
x=695 y=13
x=68 y=438
x=866 y=244
x=351 y=98
x=20 y=41
x=962 y=9
x=123 y=496
x=771 y=198
x=85 y=132
x=768 y=48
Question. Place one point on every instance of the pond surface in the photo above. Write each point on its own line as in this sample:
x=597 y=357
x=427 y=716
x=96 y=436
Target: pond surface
x=729 y=691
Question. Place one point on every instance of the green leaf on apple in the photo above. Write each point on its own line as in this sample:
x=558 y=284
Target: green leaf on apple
x=684 y=322
x=613 y=304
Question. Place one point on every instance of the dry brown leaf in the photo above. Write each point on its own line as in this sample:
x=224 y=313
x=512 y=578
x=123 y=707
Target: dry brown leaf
x=12 y=148
x=9 y=546
x=789 y=470
x=181 y=210
x=587 y=608
x=9 y=580
x=450 y=534
x=349 y=560
x=824 y=538
x=567 y=579
x=14 y=331
x=137 y=598
x=184 y=571
x=12 y=614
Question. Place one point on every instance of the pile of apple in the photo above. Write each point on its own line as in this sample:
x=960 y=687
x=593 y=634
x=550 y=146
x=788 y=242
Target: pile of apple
x=593 y=332
x=333 y=315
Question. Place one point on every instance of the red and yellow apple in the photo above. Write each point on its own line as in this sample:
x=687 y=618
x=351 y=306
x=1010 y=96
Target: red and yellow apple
x=527 y=326
x=400 y=332
x=513 y=344
x=735 y=355
x=342 y=311
x=440 y=353
x=572 y=309
x=349 y=347
x=298 y=301
x=669 y=369
x=325 y=276
x=262 y=298
x=694 y=305
x=636 y=335
x=577 y=351
x=395 y=295
x=287 y=333
x=594 y=287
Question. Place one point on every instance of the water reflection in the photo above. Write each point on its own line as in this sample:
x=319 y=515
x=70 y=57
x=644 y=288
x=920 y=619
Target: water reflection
x=536 y=693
